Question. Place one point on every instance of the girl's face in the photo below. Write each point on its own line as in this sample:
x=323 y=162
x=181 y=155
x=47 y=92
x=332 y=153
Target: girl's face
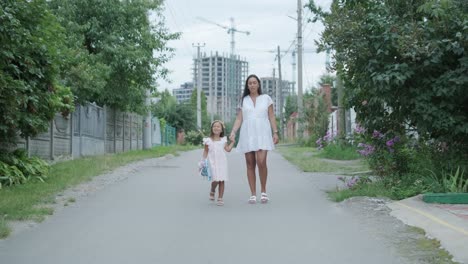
x=253 y=85
x=217 y=128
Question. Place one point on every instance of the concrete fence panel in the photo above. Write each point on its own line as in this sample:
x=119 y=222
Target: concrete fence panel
x=92 y=130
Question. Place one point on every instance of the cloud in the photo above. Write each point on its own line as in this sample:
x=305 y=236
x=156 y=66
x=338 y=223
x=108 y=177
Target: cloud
x=267 y=21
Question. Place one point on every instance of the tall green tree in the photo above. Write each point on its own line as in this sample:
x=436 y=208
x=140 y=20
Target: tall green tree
x=181 y=116
x=290 y=106
x=31 y=45
x=403 y=63
x=119 y=52
x=315 y=114
x=165 y=105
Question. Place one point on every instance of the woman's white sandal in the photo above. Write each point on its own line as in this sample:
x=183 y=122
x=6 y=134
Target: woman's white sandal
x=253 y=199
x=264 y=198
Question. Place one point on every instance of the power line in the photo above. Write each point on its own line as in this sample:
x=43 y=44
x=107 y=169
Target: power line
x=187 y=46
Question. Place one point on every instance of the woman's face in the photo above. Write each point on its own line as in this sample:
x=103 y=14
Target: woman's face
x=253 y=84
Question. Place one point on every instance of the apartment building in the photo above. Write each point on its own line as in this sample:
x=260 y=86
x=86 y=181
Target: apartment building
x=270 y=87
x=183 y=93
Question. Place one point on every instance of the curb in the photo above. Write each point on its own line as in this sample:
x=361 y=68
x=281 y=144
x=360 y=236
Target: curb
x=449 y=229
x=446 y=198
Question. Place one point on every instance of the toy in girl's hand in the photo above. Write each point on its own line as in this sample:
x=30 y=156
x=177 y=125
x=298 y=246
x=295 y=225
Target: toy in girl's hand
x=204 y=169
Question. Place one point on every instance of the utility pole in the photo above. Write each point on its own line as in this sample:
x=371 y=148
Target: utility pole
x=299 y=69
x=294 y=72
x=199 y=88
x=147 y=144
x=279 y=90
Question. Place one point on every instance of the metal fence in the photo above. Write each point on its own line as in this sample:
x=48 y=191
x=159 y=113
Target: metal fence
x=94 y=130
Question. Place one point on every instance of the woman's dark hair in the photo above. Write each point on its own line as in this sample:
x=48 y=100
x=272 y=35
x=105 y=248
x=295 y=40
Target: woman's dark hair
x=246 y=89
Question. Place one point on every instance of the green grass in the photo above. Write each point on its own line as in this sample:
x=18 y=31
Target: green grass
x=339 y=152
x=4 y=229
x=26 y=201
x=308 y=160
x=432 y=246
x=374 y=189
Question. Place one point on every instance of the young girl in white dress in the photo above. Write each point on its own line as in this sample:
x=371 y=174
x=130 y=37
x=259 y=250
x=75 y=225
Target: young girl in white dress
x=215 y=147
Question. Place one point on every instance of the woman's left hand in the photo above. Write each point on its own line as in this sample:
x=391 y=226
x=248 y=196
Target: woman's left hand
x=275 y=138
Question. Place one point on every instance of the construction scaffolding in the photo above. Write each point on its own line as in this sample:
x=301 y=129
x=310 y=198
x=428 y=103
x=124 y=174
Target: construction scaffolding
x=222 y=82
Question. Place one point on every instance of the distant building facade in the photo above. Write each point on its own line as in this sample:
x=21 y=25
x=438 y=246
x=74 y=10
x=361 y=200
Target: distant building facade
x=183 y=93
x=270 y=87
x=222 y=81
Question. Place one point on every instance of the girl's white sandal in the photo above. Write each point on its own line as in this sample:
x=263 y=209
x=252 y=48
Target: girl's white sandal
x=264 y=198
x=253 y=199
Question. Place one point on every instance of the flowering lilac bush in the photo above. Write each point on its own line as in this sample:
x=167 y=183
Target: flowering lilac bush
x=366 y=150
x=386 y=152
x=331 y=147
x=354 y=181
x=325 y=140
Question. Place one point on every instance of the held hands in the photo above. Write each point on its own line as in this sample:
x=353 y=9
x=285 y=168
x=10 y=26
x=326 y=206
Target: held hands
x=232 y=137
x=275 y=138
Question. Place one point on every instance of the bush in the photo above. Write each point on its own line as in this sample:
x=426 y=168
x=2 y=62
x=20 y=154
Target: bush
x=333 y=148
x=17 y=168
x=309 y=142
x=194 y=137
x=10 y=175
x=339 y=151
x=449 y=181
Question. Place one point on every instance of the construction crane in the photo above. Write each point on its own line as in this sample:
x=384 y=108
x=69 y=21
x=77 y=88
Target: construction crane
x=230 y=30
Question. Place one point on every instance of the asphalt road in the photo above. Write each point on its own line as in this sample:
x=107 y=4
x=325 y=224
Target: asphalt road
x=161 y=213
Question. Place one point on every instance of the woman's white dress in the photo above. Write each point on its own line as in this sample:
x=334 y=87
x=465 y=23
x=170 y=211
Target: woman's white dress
x=217 y=158
x=255 y=132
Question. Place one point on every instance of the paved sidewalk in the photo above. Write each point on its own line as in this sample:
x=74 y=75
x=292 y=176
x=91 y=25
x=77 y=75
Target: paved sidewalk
x=160 y=213
x=447 y=223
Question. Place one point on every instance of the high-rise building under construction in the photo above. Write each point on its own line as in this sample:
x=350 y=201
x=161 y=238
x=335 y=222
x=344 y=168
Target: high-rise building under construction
x=222 y=81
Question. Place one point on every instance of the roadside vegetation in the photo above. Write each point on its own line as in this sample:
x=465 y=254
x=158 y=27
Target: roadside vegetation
x=403 y=68
x=431 y=247
x=356 y=179
x=59 y=53
x=28 y=201
x=309 y=160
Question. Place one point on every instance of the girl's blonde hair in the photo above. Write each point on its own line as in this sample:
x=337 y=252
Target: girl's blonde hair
x=222 y=128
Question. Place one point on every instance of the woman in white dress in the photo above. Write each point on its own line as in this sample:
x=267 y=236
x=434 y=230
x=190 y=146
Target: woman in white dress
x=256 y=121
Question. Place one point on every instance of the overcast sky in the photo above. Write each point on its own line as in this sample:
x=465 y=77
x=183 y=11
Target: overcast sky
x=269 y=23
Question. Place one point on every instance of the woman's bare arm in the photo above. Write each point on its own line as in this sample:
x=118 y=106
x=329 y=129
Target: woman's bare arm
x=236 y=126
x=274 y=127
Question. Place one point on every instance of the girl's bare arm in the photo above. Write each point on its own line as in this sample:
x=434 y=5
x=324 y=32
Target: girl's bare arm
x=205 y=152
x=228 y=147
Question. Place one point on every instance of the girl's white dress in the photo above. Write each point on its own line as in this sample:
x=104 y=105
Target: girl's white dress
x=255 y=132
x=217 y=158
